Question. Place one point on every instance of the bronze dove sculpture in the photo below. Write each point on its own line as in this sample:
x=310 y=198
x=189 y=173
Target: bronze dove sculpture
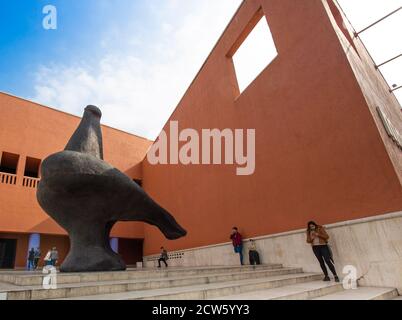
x=87 y=196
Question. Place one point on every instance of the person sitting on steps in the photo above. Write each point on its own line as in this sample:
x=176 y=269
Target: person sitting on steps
x=253 y=255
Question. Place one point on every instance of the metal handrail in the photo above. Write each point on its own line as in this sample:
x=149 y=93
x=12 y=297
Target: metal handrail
x=392 y=59
x=356 y=34
x=378 y=21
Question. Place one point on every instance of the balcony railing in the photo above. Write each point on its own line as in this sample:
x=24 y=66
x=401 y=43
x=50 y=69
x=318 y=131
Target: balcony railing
x=29 y=182
x=8 y=178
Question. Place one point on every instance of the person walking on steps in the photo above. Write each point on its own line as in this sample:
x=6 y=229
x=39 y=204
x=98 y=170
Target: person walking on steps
x=318 y=238
x=163 y=258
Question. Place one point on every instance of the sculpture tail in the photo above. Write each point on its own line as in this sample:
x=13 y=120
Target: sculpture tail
x=150 y=212
x=162 y=219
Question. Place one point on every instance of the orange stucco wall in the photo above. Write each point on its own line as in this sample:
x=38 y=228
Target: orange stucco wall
x=319 y=153
x=47 y=242
x=32 y=130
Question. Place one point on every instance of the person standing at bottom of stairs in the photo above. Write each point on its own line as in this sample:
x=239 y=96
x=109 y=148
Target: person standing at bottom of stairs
x=31 y=257
x=318 y=238
x=237 y=242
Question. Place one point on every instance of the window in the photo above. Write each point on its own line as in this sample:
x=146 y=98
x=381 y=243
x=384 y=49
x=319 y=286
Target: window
x=32 y=167
x=255 y=53
x=9 y=163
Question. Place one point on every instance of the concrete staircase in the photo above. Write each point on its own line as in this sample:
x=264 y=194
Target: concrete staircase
x=266 y=282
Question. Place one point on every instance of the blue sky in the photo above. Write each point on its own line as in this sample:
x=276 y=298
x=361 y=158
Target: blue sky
x=134 y=58
x=25 y=44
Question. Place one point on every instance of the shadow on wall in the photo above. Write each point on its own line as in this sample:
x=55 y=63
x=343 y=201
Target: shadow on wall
x=135 y=171
x=46 y=225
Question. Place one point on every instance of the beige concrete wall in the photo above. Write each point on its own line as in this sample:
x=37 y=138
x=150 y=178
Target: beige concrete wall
x=372 y=245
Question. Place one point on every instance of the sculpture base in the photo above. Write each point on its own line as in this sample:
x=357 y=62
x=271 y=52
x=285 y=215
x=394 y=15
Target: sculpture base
x=92 y=259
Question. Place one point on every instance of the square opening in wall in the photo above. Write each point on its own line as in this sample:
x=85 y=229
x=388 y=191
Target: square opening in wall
x=256 y=52
x=9 y=163
x=32 y=167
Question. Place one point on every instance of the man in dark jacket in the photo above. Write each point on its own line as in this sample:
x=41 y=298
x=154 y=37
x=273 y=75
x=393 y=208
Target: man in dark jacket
x=31 y=258
x=36 y=258
x=237 y=242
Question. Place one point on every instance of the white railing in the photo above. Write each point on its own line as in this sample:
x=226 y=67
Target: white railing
x=8 y=178
x=29 y=182
x=172 y=256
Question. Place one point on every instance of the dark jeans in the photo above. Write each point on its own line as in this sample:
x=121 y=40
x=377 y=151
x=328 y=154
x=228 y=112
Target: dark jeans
x=254 y=257
x=36 y=263
x=162 y=260
x=239 y=250
x=31 y=265
x=323 y=255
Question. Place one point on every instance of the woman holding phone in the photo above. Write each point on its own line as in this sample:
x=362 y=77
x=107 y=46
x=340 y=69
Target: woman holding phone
x=318 y=238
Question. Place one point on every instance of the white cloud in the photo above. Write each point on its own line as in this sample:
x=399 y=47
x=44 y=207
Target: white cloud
x=143 y=73
x=137 y=90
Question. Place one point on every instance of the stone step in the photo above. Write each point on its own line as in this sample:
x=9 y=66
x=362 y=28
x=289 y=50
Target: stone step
x=105 y=287
x=25 y=278
x=300 y=291
x=207 y=291
x=362 y=293
x=398 y=298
